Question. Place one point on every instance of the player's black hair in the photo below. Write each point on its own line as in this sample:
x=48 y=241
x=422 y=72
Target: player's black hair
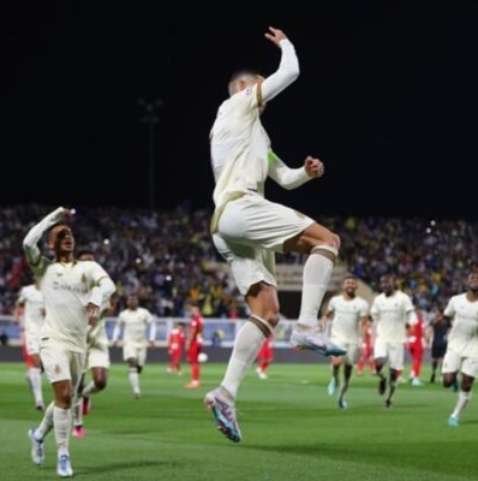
x=350 y=276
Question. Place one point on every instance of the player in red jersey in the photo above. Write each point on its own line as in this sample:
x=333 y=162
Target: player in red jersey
x=366 y=358
x=193 y=346
x=264 y=358
x=176 y=341
x=417 y=348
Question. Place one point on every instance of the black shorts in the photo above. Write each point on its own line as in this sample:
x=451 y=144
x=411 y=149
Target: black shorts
x=438 y=351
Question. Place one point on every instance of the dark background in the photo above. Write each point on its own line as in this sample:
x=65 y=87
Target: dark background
x=387 y=98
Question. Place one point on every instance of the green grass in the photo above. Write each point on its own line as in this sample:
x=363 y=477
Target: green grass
x=291 y=428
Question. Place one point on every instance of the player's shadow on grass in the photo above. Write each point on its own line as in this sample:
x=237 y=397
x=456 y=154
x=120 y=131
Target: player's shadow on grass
x=121 y=466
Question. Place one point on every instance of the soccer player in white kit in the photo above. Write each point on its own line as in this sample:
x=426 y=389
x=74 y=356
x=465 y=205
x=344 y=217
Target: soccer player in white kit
x=392 y=312
x=97 y=362
x=136 y=321
x=31 y=299
x=462 y=350
x=349 y=314
x=248 y=230
x=73 y=293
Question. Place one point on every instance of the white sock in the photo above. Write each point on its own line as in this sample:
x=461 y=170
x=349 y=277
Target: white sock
x=62 y=427
x=34 y=373
x=78 y=413
x=316 y=276
x=246 y=346
x=90 y=389
x=133 y=377
x=46 y=423
x=463 y=398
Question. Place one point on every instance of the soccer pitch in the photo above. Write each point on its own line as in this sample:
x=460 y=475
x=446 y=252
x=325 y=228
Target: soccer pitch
x=292 y=431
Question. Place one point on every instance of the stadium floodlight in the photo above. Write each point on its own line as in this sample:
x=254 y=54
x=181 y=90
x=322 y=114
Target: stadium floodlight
x=150 y=117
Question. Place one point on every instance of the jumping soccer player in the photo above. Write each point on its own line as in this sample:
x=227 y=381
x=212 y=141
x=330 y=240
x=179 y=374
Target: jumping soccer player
x=73 y=293
x=248 y=229
x=392 y=312
x=462 y=350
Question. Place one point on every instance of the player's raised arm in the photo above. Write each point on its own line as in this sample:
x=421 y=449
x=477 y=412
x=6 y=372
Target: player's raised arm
x=292 y=178
x=30 y=243
x=288 y=70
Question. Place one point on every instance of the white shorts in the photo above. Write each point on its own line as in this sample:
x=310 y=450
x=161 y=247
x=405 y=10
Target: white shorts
x=250 y=230
x=133 y=351
x=32 y=342
x=352 y=349
x=98 y=356
x=454 y=362
x=61 y=364
x=393 y=351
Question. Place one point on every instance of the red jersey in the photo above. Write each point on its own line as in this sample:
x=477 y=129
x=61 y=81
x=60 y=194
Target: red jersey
x=195 y=328
x=176 y=340
x=417 y=333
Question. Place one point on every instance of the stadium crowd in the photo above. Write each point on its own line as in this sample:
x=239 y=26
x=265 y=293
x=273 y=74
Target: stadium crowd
x=168 y=257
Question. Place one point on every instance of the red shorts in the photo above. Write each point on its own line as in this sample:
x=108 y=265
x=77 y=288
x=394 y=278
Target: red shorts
x=193 y=352
x=175 y=355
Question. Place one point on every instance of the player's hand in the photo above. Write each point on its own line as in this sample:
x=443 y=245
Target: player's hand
x=93 y=312
x=275 y=35
x=314 y=167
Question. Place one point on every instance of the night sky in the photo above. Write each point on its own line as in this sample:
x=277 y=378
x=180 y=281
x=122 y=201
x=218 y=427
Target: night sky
x=387 y=98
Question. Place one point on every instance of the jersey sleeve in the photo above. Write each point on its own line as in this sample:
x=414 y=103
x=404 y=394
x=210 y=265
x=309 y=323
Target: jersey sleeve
x=22 y=297
x=363 y=310
x=375 y=310
x=148 y=317
x=450 y=308
x=103 y=287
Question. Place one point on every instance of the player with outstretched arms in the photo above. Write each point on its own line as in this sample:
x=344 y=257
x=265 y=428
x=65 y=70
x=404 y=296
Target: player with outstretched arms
x=135 y=321
x=462 y=349
x=392 y=313
x=97 y=362
x=73 y=293
x=31 y=300
x=349 y=314
x=248 y=229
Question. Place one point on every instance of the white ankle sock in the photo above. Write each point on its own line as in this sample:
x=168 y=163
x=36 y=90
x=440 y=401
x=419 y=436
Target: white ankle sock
x=463 y=398
x=90 y=389
x=133 y=377
x=46 y=423
x=34 y=374
x=246 y=346
x=317 y=272
x=62 y=427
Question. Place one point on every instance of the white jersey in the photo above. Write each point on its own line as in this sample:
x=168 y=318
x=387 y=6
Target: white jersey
x=135 y=322
x=240 y=145
x=463 y=336
x=34 y=313
x=67 y=288
x=347 y=314
x=391 y=314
